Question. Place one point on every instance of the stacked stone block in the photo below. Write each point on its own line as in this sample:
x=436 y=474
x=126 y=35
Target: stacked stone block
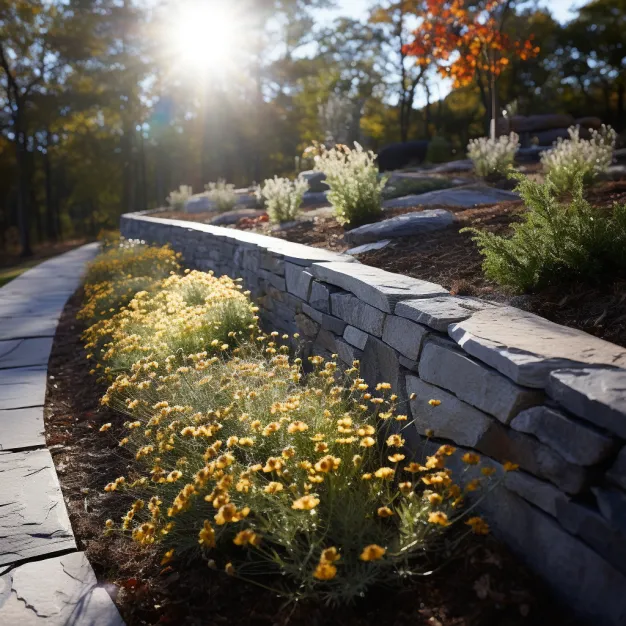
x=513 y=387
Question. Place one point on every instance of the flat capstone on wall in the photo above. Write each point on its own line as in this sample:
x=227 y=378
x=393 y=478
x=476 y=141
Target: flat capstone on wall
x=513 y=387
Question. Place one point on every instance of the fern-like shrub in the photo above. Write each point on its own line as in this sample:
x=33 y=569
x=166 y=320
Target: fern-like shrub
x=572 y=157
x=355 y=185
x=282 y=198
x=222 y=194
x=493 y=157
x=178 y=198
x=556 y=241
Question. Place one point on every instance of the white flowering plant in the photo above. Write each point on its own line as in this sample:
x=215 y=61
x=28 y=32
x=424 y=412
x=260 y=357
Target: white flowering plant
x=493 y=156
x=282 y=198
x=575 y=156
x=222 y=194
x=355 y=185
x=178 y=198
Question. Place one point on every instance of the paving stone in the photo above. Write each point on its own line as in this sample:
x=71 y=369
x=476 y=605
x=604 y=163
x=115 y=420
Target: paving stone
x=355 y=337
x=466 y=196
x=595 y=395
x=474 y=383
x=369 y=247
x=538 y=492
x=21 y=428
x=452 y=419
x=439 y=313
x=298 y=281
x=373 y=286
x=50 y=307
x=73 y=600
x=403 y=335
x=357 y=313
x=403 y=225
x=25 y=352
x=22 y=387
x=572 y=439
x=612 y=505
x=526 y=347
x=33 y=519
x=347 y=353
x=27 y=327
x=617 y=472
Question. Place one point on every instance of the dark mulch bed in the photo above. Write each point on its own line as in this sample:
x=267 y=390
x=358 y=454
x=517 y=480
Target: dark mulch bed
x=483 y=586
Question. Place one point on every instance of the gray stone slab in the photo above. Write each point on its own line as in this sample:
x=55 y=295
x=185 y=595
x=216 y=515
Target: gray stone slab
x=527 y=348
x=298 y=280
x=22 y=387
x=357 y=313
x=404 y=335
x=404 y=225
x=439 y=313
x=333 y=324
x=617 y=472
x=612 y=505
x=27 y=327
x=347 y=353
x=538 y=492
x=21 y=428
x=595 y=395
x=327 y=340
x=314 y=314
x=50 y=307
x=355 y=337
x=369 y=247
x=232 y=217
x=376 y=287
x=33 y=518
x=474 y=383
x=60 y=591
x=572 y=439
x=466 y=196
x=25 y=352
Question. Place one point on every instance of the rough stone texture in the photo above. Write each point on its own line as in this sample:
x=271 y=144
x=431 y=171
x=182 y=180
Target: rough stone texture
x=474 y=383
x=27 y=598
x=22 y=387
x=33 y=519
x=538 y=492
x=333 y=324
x=617 y=472
x=573 y=440
x=320 y=296
x=327 y=340
x=466 y=196
x=401 y=226
x=355 y=337
x=306 y=325
x=298 y=281
x=21 y=428
x=347 y=353
x=27 y=327
x=375 y=287
x=357 y=313
x=612 y=505
x=315 y=315
x=596 y=395
x=403 y=335
x=368 y=247
x=232 y=217
x=527 y=348
x=439 y=313
x=24 y=352
x=452 y=419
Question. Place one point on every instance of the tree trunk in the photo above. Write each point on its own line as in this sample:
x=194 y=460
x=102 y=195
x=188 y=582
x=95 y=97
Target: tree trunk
x=427 y=112
x=50 y=217
x=21 y=162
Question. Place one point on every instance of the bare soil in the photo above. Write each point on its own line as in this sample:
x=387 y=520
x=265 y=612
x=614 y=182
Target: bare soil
x=483 y=586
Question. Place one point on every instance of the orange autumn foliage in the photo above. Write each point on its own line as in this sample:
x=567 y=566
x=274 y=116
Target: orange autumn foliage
x=466 y=40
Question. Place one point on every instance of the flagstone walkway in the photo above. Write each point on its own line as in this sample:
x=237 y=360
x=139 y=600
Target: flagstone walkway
x=43 y=578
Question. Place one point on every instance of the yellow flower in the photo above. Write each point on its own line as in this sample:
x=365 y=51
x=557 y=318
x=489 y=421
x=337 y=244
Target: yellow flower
x=245 y=537
x=510 y=467
x=167 y=557
x=487 y=471
x=325 y=571
x=273 y=464
x=446 y=450
x=230 y=569
x=273 y=487
x=330 y=555
x=384 y=511
x=406 y=488
x=297 y=427
x=174 y=476
x=478 y=525
x=435 y=499
x=470 y=458
x=472 y=485
x=105 y=427
x=395 y=441
x=327 y=464
x=206 y=537
x=434 y=402
x=384 y=473
x=367 y=442
x=414 y=468
x=372 y=552
x=438 y=517
x=305 y=503
x=396 y=458
x=321 y=446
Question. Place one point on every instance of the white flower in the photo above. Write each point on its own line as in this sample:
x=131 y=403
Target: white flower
x=282 y=198
x=493 y=156
x=178 y=198
x=222 y=194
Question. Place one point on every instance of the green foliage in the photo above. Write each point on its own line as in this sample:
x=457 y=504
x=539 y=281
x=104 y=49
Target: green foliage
x=493 y=157
x=397 y=187
x=283 y=198
x=222 y=194
x=439 y=150
x=556 y=241
x=178 y=198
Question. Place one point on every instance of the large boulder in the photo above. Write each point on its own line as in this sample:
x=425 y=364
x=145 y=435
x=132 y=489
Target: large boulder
x=398 y=155
x=315 y=180
x=536 y=123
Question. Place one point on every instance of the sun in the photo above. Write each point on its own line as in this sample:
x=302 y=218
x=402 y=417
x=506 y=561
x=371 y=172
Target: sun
x=207 y=35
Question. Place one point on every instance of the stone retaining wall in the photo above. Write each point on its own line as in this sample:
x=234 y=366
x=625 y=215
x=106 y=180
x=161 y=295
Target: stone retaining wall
x=513 y=386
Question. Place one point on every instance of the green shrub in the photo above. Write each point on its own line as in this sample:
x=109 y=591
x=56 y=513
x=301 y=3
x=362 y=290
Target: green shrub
x=178 y=198
x=573 y=157
x=556 y=241
x=282 y=198
x=222 y=194
x=355 y=185
x=439 y=150
x=406 y=186
x=493 y=157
